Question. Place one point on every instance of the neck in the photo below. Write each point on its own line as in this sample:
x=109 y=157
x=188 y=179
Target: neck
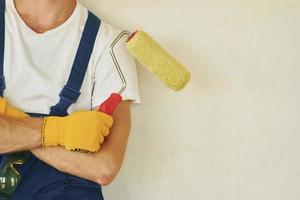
x=43 y=15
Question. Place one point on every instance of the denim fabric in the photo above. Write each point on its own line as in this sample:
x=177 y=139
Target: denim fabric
x=40 y=181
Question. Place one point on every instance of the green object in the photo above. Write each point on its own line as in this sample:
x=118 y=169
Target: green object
x=9 y=176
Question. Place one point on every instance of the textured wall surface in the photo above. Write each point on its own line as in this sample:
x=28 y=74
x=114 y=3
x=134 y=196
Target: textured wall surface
x=234 y=132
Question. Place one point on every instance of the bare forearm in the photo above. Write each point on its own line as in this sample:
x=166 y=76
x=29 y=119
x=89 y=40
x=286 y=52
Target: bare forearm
x=75 y=163
x=100 y=167
x=19 y=134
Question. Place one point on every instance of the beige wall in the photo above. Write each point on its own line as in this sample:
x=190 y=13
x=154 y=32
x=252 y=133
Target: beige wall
x=234 y=132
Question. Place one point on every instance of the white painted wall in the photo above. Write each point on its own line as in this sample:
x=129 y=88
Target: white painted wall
x=234 y=132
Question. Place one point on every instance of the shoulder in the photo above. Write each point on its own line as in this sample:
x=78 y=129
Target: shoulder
x=106 y=34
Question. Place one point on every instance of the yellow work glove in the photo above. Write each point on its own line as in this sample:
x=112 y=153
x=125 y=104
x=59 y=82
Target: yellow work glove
x=82 y=131
x=8 y=110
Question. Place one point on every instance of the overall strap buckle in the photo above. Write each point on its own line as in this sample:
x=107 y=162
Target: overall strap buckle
x=68 y=96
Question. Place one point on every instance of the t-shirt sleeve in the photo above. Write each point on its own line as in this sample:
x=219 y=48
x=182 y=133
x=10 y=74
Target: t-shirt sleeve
x=106 y=78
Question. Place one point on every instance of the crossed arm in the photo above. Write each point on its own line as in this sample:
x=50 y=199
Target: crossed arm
x=100 y=167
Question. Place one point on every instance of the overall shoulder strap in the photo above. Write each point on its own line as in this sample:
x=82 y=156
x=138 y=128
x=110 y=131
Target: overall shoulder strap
x=71 y=91
x=2 y=40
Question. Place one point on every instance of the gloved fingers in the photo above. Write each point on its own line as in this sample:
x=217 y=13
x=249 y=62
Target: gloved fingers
x=93 y=149
x=83 y=148
x=107 y=119
x=8 y=110
x=105 y=131
x=13 y=112
x=3 y=105
x=101 y=139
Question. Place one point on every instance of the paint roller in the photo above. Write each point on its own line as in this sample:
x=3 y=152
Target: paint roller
x=151 y=55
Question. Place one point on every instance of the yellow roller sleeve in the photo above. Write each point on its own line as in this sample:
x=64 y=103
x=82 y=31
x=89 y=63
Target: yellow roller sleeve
x=82 y=131
x=158 y=61
x=8 y=110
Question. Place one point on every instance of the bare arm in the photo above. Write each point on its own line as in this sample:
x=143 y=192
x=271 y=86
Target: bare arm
x=19 y=134
x=101 y=167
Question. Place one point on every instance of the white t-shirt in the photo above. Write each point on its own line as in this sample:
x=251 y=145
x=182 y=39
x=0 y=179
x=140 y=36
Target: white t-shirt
x=37 y=66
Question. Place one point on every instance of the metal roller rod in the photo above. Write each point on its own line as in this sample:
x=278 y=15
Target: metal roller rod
x=112 y=53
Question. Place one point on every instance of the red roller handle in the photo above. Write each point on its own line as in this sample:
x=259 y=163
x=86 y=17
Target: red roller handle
x=110 y=104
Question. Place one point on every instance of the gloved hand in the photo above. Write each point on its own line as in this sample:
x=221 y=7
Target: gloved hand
x=8 y=110
x=81 y=131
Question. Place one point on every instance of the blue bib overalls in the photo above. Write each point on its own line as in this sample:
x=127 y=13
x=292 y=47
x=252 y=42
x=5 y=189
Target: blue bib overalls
x=40 y=181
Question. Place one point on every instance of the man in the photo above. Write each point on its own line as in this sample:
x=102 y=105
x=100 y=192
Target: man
x=47 y=45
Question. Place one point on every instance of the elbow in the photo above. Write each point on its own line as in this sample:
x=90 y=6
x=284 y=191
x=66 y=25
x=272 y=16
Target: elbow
x=106 y=174
x=105 y=180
